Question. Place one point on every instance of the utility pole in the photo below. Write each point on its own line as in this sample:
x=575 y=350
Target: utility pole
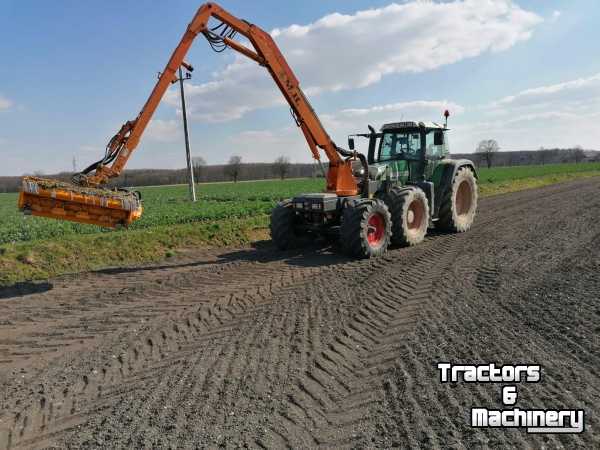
x=181 y=79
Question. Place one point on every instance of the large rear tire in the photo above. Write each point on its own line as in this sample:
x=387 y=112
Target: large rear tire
x=410 y=215
x=366 y=229
x=459 y=203
x=283 y=231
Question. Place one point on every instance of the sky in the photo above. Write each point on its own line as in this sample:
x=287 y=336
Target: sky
x=523 y=72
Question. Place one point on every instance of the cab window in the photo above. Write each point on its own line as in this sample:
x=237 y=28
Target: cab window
x=399 y=146
x=431 y=150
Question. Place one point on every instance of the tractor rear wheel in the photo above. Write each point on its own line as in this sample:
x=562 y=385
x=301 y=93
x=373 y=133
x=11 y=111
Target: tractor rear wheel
x=283 y=220
x=459 y=203
x=410 y=215
x=366 y=229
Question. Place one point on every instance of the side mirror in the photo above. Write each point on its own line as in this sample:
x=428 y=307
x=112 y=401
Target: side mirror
x=438 y=138
x=351 y=143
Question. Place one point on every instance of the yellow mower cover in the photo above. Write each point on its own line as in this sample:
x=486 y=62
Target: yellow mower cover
x=65 y=201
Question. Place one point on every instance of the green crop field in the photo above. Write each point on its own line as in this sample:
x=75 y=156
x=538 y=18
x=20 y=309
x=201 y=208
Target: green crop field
x=226 y=214
x=164 y=205
x=169 y=205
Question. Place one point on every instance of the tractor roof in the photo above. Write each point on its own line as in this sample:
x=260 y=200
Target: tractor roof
x=411 y=125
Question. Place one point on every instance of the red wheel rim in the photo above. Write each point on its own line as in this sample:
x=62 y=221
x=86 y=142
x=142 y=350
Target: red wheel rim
x=376 y=229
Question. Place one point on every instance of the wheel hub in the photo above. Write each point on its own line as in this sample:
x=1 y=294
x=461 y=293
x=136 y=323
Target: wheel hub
x=415 y=215
x=376 y=229
x=464 y=199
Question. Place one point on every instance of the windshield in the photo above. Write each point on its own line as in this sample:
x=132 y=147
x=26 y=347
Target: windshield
x=402 y=145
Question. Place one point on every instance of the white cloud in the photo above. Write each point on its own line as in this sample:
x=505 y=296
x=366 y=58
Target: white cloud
x=163 y=130
x=266 y=145
x=572 y=102
x=556 y=115
x=354 y=51
x=356 y=119
x=581 y=90
x=5 y=103
x=555 y=16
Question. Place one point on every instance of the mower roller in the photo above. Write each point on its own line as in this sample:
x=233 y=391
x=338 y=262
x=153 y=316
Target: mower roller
x=59 y=200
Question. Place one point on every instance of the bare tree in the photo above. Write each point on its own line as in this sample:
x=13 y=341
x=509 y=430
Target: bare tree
x=234 y=168
x=281 y=166
x=198 y=163
x=542 y=155
x=578 y=154
x=487 y=148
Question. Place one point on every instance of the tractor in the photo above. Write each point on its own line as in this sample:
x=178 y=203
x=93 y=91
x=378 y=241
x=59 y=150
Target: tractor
x=407 y=185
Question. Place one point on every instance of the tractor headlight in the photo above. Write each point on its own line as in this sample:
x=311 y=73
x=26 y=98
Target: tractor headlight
x=299 y=205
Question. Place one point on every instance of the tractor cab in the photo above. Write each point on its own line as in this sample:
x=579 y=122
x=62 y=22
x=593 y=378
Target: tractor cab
x=405 y=151
x=408 y=141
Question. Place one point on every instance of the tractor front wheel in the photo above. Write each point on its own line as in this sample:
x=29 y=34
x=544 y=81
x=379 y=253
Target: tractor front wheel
x=366 y=229
x=410 y=215
x=283 y=220
x=459 y=204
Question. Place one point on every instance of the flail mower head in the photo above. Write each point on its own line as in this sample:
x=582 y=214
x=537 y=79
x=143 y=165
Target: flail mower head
x=65 y=201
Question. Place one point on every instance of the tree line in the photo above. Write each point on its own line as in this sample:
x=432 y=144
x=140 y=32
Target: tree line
x=234 y=170
x=488 y=154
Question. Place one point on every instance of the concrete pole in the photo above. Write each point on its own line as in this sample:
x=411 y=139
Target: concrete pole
x=187 y=141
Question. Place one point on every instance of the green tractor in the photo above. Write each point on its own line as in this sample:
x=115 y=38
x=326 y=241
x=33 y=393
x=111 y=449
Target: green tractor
x=408 y=185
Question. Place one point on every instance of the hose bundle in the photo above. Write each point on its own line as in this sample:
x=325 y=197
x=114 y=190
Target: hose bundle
x=113 y=148
x=216 y=35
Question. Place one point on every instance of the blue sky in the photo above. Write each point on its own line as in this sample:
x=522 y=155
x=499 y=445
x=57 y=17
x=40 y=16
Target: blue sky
x=526 y=73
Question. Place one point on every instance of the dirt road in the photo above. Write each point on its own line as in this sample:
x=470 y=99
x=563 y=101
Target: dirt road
x=255 y=348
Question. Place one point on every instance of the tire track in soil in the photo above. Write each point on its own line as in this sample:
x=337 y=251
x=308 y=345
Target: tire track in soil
x=207 y=320
x=516 y=308
x=325 y=356
x=225 y=317
x=77 y=310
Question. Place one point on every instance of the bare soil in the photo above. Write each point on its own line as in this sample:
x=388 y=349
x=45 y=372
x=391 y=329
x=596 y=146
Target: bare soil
x=307 y=349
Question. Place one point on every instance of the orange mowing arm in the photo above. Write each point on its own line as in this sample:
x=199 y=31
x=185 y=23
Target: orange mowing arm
x=339 y=178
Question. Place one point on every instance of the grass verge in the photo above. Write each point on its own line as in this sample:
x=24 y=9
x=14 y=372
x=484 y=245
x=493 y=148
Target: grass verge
x=43 y=259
